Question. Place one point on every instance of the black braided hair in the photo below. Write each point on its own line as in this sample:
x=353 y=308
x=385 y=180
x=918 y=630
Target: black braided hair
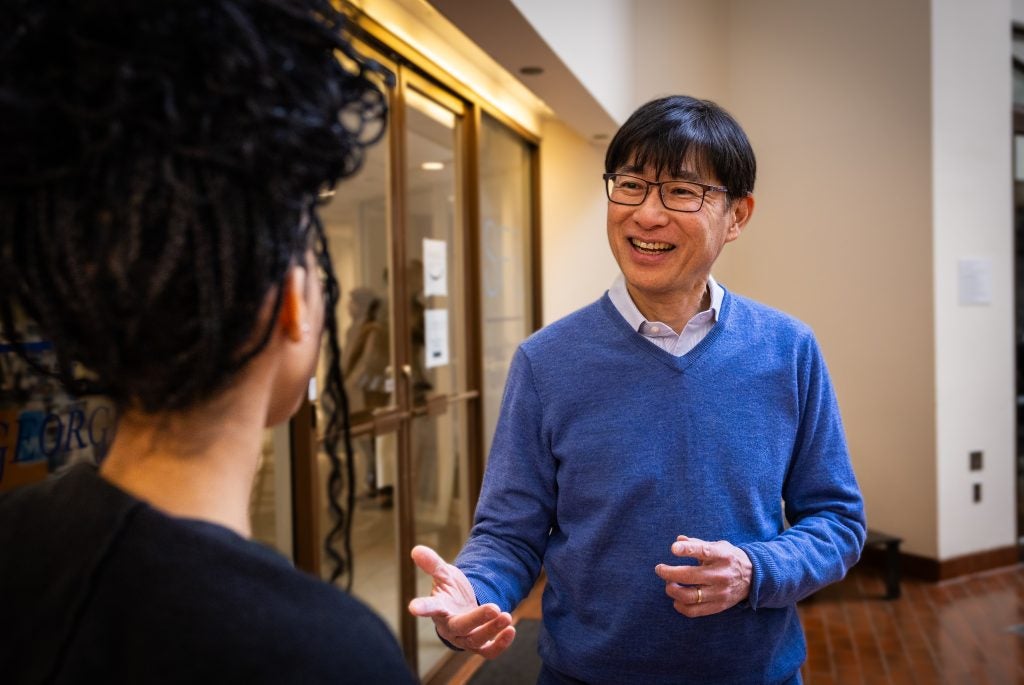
x=160 y=170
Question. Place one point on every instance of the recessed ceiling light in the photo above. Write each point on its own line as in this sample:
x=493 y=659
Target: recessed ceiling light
x=531 y=70
x=432 y=166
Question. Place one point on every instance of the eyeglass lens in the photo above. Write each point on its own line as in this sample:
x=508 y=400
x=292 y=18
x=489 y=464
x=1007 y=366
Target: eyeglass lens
x=678 y=195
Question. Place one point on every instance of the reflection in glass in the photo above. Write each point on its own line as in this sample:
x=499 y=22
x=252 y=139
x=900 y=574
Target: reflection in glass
x=441 y=515
x=437 y=330
x=270 y=503
x=42 y=427
x=374 y=535
x=356 y=223
x=505 y=267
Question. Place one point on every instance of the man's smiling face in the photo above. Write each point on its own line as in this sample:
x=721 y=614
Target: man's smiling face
x=663 y=253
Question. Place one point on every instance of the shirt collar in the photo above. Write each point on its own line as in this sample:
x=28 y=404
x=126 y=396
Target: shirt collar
x=627 y=308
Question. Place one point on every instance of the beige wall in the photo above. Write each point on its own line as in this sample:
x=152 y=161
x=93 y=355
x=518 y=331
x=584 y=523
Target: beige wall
x=836 y=103
x=682 y=47
x=577 y=266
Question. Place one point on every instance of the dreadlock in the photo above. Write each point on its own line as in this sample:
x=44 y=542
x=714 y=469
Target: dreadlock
x=160 y=172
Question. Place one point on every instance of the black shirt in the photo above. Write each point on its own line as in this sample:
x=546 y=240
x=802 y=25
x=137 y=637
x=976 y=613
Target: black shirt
x=97 y=586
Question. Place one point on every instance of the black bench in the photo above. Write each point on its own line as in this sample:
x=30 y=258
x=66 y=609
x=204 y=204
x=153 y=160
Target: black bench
x=891 y=545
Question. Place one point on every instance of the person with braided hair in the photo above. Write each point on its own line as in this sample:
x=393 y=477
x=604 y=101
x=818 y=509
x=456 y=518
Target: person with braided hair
x=162 y=166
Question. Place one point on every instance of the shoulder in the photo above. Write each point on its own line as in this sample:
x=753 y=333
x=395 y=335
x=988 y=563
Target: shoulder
x=763 y=322
x=764 y=337
x=307 y=626
x=162 y=599
x=269 y=621
x=583 y=324
x=61 y=520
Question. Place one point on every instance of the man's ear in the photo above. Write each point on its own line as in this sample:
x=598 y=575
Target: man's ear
x=739 y=214
x=293 y=319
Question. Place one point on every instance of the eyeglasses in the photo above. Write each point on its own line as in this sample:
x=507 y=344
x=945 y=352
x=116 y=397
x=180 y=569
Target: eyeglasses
x=679 y=196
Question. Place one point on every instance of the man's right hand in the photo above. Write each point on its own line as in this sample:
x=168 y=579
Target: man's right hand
x=485 y=630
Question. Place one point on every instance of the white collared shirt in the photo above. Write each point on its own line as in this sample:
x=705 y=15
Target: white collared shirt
x=661 y=334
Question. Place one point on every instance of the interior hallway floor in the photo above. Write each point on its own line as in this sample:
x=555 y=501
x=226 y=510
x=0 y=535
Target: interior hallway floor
x=965 y=630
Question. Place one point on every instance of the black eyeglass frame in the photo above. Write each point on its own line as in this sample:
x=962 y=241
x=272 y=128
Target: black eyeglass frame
x=647 y=191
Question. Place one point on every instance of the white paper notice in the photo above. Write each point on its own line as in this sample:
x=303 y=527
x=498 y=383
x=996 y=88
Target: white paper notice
x=435 y=322
x=975 y=281
x=435 y=267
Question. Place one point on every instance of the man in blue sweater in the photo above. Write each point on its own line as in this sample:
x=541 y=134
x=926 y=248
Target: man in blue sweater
x=671 y=454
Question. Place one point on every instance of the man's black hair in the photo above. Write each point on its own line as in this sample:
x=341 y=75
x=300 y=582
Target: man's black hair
x=677 y=132
x=160 y=170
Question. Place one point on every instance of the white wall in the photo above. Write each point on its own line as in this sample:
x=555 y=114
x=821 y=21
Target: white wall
x=973 y=219
x=1017 y=9
x=595 y=40
x=577 y=266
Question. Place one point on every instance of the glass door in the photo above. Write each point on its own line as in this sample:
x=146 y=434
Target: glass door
x=440 y=397
x=359 y=225
x=507 y=257
x=396 y=236
x=408 y=254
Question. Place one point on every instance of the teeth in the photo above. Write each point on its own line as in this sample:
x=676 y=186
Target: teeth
x=650 y=246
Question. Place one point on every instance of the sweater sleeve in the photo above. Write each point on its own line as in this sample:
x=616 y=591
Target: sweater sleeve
x=516 y=510
x=823 y=503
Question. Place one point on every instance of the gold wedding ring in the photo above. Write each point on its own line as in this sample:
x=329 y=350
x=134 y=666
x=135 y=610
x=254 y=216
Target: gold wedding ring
x=700 y=595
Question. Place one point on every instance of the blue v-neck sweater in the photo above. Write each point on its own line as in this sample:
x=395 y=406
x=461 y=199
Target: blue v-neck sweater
x=608 y=447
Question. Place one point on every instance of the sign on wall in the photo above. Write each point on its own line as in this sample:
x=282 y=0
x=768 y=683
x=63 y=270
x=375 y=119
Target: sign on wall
x=42 y=428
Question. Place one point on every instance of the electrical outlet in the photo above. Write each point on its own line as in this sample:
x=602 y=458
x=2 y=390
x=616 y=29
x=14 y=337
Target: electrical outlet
x=977 y=492
x=975 y=460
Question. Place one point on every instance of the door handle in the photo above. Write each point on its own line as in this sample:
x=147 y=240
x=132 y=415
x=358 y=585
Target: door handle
x=387 y=421
x=437 y=405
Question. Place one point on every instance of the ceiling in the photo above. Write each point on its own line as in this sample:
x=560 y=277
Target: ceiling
x=504 y=34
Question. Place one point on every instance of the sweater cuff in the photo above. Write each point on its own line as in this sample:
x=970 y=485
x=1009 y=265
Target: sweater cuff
x=485 y=594
x=761 y=568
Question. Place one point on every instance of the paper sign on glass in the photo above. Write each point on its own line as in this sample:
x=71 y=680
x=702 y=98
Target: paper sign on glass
x=435 y=322
x=435 y=267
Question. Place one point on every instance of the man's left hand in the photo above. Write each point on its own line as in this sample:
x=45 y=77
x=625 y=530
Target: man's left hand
x=720 y=580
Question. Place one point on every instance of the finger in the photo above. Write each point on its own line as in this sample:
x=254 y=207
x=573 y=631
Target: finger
x=499 y=644
x=701 y=550
x=428 y=561
x=486 y=633
x=695 y=610
x=427 y=606
x=694 y=601
x=465 y=623
x=694 y=595
x=431 y=563
x=684 y=575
